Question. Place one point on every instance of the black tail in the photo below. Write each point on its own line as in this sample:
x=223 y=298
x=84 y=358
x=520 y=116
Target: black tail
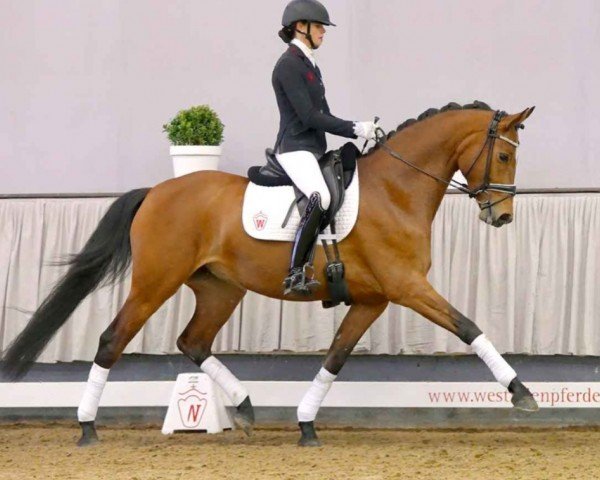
x=105 y=256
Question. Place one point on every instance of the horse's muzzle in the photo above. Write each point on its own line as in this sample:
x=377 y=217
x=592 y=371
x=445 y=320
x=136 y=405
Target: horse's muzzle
x=488 y=217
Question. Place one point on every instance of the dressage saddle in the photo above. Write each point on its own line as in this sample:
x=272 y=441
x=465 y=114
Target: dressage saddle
x=337 y=166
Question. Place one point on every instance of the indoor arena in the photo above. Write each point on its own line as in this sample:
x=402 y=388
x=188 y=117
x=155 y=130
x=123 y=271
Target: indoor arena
x=214 y=266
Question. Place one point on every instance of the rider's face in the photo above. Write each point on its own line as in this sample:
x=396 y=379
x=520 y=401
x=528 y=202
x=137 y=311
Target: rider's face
x=317 y=32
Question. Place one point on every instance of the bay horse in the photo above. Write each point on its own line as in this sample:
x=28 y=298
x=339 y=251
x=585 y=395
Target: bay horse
x=188 y=230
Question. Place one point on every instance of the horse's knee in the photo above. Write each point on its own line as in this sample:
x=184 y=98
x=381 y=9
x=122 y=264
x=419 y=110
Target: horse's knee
x=196 y=353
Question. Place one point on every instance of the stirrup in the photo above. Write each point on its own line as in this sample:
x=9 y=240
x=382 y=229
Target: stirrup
x=298 y=281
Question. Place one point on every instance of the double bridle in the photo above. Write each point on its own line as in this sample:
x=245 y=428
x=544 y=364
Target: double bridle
x=486 y=186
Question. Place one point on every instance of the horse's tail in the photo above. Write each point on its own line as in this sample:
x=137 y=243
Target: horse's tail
x=105 y=256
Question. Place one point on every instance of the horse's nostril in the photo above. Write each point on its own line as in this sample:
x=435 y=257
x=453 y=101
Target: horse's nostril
x=505 y=218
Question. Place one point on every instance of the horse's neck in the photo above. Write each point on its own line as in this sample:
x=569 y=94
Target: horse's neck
x=431 y=146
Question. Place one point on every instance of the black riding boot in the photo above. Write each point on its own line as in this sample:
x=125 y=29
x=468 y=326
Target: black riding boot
x=300 y=278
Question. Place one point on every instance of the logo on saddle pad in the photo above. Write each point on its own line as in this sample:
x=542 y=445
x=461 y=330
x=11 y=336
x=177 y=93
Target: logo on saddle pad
x=260 y=221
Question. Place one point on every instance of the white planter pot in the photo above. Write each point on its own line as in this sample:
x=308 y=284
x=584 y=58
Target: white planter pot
x=192 y=158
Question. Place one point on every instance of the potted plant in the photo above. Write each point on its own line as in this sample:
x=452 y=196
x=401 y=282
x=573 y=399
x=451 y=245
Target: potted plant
x=196 y=135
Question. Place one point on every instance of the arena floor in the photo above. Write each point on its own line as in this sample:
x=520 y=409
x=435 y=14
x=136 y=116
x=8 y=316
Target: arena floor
x=29 y=451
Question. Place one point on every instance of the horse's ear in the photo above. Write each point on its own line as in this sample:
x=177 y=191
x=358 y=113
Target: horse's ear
x=517 y=119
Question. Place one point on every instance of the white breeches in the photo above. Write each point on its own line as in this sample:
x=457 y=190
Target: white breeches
x=303 y=168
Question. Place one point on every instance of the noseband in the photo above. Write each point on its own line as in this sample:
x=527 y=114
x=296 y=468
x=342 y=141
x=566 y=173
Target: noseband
x=486 y=186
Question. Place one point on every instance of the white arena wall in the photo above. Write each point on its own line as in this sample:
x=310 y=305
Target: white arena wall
x=532 y=286
x=87 y=86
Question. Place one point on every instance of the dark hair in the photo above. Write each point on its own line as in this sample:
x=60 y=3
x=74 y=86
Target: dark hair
x=430 y=112
x=288 y=33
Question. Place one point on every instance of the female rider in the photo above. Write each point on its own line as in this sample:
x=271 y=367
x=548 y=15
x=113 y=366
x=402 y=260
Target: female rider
x=304 y=119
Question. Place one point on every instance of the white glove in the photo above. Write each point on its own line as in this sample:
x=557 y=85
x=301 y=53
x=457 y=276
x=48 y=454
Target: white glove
x=365 y=130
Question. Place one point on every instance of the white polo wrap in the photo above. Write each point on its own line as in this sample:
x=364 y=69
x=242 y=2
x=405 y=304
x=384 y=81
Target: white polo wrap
x=502 y=371
x=221 y=375
x=88 y=407
x=311 y=402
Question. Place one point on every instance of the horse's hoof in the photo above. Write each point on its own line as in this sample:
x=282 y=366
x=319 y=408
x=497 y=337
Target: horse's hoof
x=244 y=416
x=309 y=442
x=243 y=423
x=522 y=399
x=309 y=436
x=527 y=404
x=88 y=434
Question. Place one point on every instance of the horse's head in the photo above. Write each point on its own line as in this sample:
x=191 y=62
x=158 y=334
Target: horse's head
x=489 y=166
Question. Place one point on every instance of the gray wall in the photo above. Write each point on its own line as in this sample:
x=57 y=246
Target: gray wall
x=85 y=86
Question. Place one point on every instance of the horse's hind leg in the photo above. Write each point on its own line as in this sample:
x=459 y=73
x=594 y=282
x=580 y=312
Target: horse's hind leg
x=423 y=299
x=355 y=324
x=158 y=271
x=139 y=306
x=144 y=299
x=215 y=302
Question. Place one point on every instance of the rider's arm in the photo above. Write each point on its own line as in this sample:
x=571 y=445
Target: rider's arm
x=292 y=82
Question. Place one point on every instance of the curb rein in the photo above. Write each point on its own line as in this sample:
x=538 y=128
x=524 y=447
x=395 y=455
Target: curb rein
x=486 y=186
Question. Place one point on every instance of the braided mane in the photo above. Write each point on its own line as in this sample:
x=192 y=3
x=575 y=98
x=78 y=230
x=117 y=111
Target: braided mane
x=430 y=112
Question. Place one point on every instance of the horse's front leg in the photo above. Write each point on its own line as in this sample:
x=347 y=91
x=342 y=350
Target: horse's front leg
x=354 y=325
x=423 y=299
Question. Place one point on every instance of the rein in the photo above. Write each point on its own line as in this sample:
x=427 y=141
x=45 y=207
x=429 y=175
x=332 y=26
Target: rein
x=486 y=186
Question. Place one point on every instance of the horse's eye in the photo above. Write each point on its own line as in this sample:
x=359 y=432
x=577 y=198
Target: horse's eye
x=504 y=157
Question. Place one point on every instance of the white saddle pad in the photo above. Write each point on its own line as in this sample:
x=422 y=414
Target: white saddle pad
x=265 y=209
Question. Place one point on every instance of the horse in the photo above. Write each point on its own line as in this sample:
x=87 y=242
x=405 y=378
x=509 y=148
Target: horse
x=188 y=231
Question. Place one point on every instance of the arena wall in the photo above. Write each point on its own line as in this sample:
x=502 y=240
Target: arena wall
x=532 y=286
x=87 y=87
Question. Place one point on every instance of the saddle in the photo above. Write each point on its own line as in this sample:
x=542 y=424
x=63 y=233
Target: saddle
x=337 y=166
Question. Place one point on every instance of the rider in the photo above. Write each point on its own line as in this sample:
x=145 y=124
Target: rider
x=304 y=119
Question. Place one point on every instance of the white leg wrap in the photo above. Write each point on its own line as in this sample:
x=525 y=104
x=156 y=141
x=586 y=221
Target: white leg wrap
x=502 y=371
x=221 y=375
x=88 y=407
x=311 y=402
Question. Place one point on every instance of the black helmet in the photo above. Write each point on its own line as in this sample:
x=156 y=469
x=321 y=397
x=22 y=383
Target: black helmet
x=307 y=10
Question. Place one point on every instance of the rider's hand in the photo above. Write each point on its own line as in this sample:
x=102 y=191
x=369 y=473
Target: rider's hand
x=365 y=130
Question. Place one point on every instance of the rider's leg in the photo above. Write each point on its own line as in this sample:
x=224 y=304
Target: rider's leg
x=298 y=279
x=302 y=167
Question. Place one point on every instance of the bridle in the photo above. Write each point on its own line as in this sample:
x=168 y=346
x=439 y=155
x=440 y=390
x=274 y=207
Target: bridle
x=486 y=186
